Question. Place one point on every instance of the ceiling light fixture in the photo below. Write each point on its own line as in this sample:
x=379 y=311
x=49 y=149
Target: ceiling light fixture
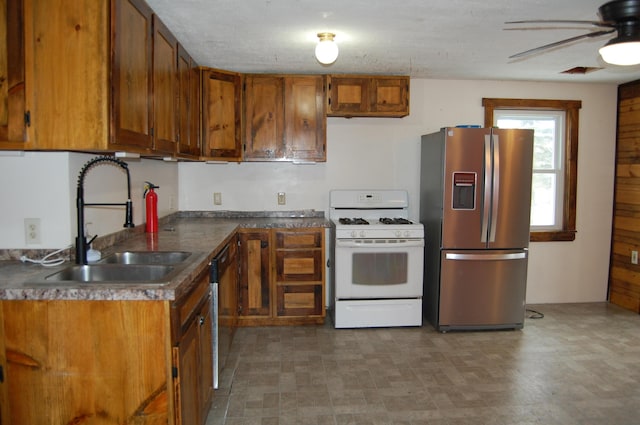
x=622 y=51
x=326 y=49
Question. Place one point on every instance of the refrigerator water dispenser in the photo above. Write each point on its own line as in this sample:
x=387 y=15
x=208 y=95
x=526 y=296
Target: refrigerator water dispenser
x=464 y=191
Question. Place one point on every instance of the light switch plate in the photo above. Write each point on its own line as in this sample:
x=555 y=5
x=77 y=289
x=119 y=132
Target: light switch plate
x=282 y=198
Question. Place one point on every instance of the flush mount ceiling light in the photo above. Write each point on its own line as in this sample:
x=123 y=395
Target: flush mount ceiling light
x=621 y=52
x=326 y=49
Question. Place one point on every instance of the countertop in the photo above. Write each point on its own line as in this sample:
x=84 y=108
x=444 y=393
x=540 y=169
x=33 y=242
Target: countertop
x=202 y=234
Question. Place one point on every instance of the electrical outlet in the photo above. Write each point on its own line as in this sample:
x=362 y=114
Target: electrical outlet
x=217 y=198
x=634 y=257
x=32 y=231
x=282 y=198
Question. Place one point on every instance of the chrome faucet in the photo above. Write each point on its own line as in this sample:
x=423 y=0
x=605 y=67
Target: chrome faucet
x=81 y=240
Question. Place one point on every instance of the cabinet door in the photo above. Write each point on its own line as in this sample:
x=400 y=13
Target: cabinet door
x=165 y=88
x=264 y=113
x=305 y=131
x=193 y=353
x=132 y=74
x=221 y=115
x=186 y=380
x=254 y=274
x=368 y=96
x=228 y=288
x=188 y=104
x=12 y=82
x=390 y=96
x=347 y=96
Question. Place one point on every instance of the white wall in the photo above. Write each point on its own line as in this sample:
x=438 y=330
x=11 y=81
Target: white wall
x=384 y=153
x=43 y=185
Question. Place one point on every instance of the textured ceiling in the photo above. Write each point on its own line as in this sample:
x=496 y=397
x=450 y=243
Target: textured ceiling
x=442 y=39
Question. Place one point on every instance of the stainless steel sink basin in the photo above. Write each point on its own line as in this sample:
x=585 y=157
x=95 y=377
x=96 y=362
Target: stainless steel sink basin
x=114 y=273
x=146 y=257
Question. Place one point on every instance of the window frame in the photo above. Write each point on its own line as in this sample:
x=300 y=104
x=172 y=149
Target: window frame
x=571 y=109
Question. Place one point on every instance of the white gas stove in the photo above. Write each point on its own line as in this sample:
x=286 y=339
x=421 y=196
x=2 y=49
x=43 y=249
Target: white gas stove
x=377 y=258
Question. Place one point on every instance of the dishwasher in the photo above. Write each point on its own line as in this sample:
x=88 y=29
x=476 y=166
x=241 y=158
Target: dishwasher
x=224 y=305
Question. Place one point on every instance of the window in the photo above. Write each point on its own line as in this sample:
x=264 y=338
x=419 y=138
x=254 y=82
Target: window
x=553 y=206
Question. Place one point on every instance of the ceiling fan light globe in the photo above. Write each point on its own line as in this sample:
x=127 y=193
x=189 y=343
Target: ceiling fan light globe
x=326 y=51
x=621 y=53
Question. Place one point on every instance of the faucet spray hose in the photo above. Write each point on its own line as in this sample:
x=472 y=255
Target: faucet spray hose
x=81 y=242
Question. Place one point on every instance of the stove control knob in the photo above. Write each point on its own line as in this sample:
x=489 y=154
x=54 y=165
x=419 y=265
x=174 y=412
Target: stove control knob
x=354 y=234
x=407 y=233
x=398 y=233
x=362 y=233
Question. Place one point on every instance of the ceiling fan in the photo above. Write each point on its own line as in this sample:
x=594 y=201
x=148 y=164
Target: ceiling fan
x=622 y=16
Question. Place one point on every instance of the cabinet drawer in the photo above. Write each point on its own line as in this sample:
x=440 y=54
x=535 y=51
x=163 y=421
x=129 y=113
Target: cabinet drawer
x=299 y=300
x=296 y=240
x=299 y=266
x=188 y=306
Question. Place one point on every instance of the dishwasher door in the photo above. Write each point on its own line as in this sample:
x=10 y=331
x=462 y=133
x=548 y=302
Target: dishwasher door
x=215 y=333
x=224 y=307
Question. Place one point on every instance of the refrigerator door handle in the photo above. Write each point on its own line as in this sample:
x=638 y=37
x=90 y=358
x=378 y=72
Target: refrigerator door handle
x=486 y=206
x=475 y=257
x=496 y=188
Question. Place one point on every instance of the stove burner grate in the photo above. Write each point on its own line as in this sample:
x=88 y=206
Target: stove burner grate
x=353 y=221
x=398 y=220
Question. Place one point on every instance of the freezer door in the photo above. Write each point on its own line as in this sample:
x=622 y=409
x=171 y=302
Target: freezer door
x=511 y=202
x=464 y=189
x=482 y=289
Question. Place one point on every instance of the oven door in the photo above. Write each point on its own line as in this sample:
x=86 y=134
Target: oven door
x=378 y=268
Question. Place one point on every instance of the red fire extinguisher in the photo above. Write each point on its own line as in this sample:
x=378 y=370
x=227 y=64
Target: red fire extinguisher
x=151 y=207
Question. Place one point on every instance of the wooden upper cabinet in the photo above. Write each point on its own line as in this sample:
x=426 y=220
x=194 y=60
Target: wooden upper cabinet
x=264 y=117
x=284 y=118
x=305 y=130
x=165 y=88
x=132 y=71
x=221 y=115
x=367 y=96
x=188 y=105
x=67 y=74
x=12 y=83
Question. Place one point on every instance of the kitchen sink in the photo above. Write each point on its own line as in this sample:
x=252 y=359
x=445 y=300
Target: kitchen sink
x=146 y=257
x=114 y=273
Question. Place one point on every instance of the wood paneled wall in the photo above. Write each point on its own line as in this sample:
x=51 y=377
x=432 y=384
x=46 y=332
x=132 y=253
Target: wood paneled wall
x=624 y=277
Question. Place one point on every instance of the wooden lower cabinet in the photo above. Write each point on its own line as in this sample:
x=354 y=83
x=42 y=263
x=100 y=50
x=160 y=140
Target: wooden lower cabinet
x=193 y=354
x=105 y=362
x=255 y=276
x=282 y=276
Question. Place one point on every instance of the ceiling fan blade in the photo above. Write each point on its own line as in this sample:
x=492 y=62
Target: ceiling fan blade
x=563 y=21
x=561 y=42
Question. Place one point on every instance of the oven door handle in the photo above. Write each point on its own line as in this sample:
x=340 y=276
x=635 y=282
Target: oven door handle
x=359 y=243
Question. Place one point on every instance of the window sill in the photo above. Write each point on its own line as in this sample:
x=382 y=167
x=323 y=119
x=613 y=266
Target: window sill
x=558 y=236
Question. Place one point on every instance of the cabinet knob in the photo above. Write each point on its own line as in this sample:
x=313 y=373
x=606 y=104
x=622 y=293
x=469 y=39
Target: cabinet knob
x=201 y=320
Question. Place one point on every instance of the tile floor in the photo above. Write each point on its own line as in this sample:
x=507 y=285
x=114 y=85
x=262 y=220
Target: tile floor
x=580 y=364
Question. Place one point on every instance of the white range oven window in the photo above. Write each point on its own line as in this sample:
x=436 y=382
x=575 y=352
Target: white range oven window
x=380 y=268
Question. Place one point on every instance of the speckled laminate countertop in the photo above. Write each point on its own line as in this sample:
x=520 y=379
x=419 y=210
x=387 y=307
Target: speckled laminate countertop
x=203 y=234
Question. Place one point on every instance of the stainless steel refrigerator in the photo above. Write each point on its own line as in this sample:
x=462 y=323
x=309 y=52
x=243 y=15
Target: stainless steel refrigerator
x=475 y=202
